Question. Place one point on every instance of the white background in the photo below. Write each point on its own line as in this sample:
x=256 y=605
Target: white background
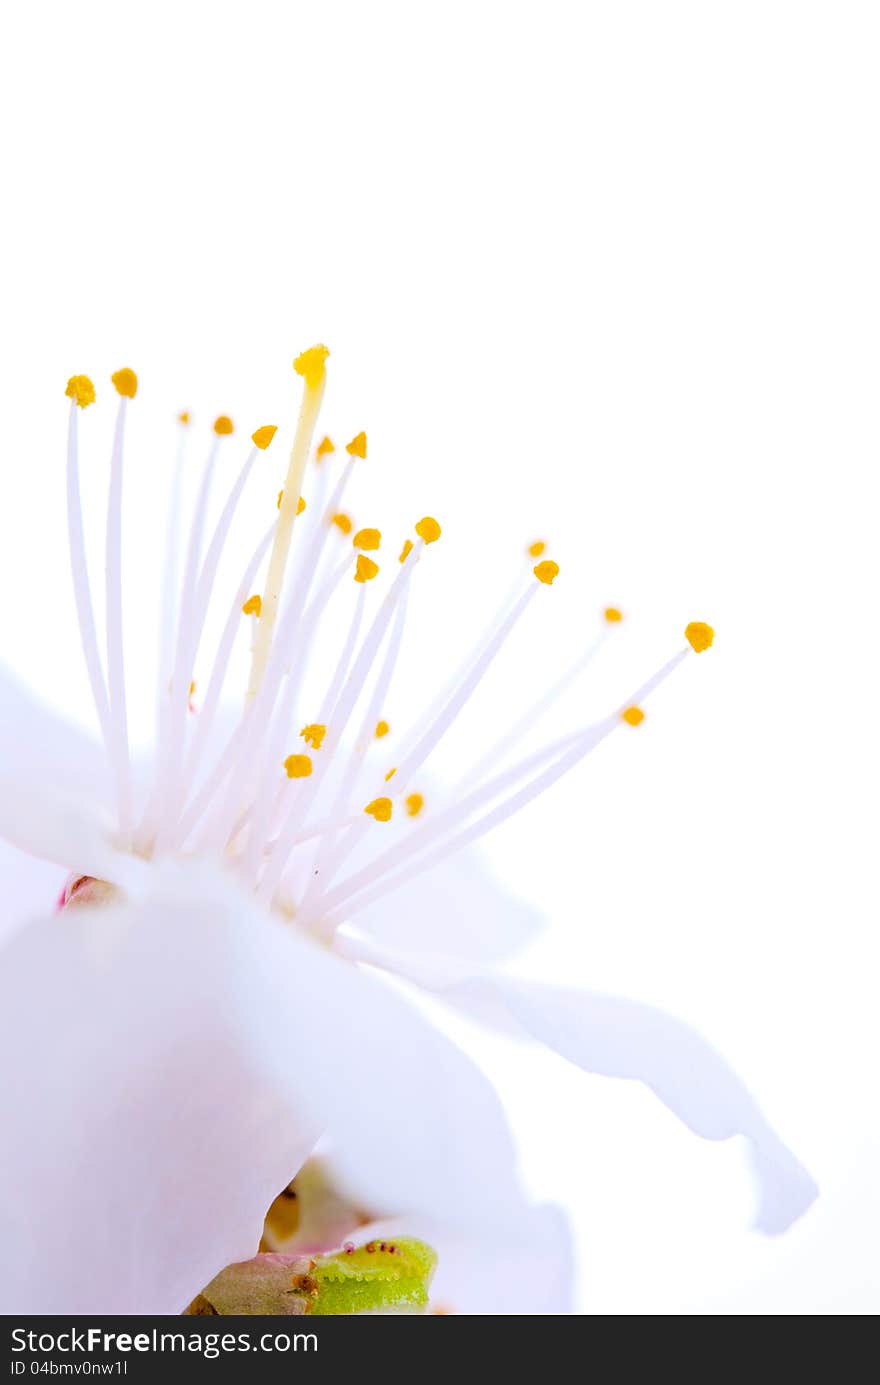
x=601 y=273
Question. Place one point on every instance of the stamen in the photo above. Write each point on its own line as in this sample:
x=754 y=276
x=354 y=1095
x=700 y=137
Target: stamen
x=547 y=572
x=535 y=550
x=414 y=804
x=314 y=734
x=537 y=712
x=195 y=600
x=170 y=599
x=380 y=809
x=125 y=382
x=195 y=811
x=253 y=605
x=223 y=426
x=613 y=615
x=365 y=569
x=343 y=523
x=365 y=886
x=699 y=636
x=298 y=766
x=81 y=393
x=324 y=448
x=338 y=721
x=358 y=446
x=633 y=716
x=263 y=436
x=428 y=529
x=81 y=390
x=405 y=551
x=367 y=539
x=382 y=729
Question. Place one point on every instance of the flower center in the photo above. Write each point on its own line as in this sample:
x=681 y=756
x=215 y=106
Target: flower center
x=289 y=808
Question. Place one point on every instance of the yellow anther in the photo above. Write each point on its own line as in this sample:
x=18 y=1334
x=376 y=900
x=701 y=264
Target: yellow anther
x=324 y=447
x=314 y=734
x=633 y=716
x=358 y=446
x=298 y=766
x=192 y=687
x=536 y=549
x=365 y=569
x=263 y=436
x=311 y=365
x=253 y=606
x=380 y=809
x=414 y=802
x=382 y=729
x=699 y=635
x=406 y=550
x=428 y=529
x=183 y=417
x=280 y=498
x=223 y=426
x=342 y=522
x=612 y=615
x=367 y=539
x=547 y=572
x=81 y=390
x=126 y=382
x=300 y=505
x=391 y=773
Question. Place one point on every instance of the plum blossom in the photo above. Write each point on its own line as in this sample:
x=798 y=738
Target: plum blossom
x=228 y=983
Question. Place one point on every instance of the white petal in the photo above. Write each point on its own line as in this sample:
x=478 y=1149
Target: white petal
x=54 y=788
x=38 y=745
x=615 y=1037
x=178 y=1057
x=28 y=888
x=141 y=1105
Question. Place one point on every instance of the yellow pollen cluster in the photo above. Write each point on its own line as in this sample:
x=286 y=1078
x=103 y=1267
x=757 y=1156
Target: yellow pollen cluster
x=391 y=773
x=612 y=615
x=126 y=382
x=314 y=734
x=223 y=426
x=414 y=802
x=699 y=636
x=633 y=716
x=263 y=436
x=536 y=549
x=253 y=606
x=358 y=446
x=311 y=365
x=547 y=572
x=380 y=809
x=81 y=390
x=343 y=523
x=428 y=529
x=365 y=569
x=298 y=766
x=367 y=539
x=406 y=550
x=183 y=417
x=382 y=729
x=324 y=447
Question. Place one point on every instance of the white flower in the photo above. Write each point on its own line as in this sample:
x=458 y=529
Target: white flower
x=178 y=1051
